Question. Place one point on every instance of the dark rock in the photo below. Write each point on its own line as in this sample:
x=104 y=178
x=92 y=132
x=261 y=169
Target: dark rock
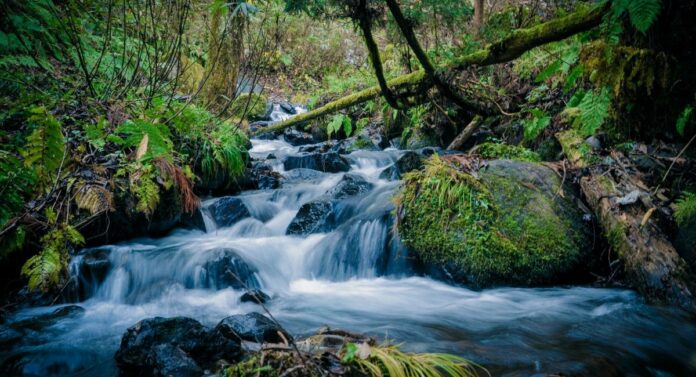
x=230 y=270
x=327 y=162
x=313 y=217
x=193 y=220
x=390 y=173
x=95 y=265
x=319 y=133
x=409 y=161
x=256 y=296
x=271 y=156
x=312 y=148
x=252 y=327
x=350 y=185
x=395 y=142
x=594 y=143
x=44 y=320
x=288 y=108
x=268 y=180
x=172 y=347
x=228 y=211
x=342 y=146
x=303 y=175
x=429 y=151
x=295 y=137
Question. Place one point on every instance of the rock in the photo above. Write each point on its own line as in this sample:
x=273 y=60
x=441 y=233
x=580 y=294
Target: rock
x=303 y=175
x=268 y=181
x=193 y=220
x=288 y=108
x=313 y=217
x=172 y=347
x=230 y=270
x=350 y=185
x=594 y=143
x=91 y=270
x=409 y=161
x=228 y=210
x=508 y=226
x=390 y=173
x=252 y=327
x=271 y=156
x=326 y=162
x=255 y=296
x=296 y=138
x=13 y=333
x=419 y=140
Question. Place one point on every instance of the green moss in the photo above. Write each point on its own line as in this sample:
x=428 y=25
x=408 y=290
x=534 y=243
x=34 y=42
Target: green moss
x=249 y=106
x=491 y=231
x=685 y=209
x=508 y=152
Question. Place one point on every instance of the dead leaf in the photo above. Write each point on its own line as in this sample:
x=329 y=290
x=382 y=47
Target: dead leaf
x=142 y=148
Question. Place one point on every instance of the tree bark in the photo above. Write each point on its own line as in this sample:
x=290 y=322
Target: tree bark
x=504 y=50
x=465 y=134
x=478 y=16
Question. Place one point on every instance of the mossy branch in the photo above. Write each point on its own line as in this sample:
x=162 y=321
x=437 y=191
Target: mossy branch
x=507 y=49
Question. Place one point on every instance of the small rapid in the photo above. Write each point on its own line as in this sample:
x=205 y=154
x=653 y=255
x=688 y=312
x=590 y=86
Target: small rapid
x=349 y=272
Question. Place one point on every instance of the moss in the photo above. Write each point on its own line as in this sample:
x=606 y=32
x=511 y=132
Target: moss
x=508 y=152
x=491 y=231
x=249 y=106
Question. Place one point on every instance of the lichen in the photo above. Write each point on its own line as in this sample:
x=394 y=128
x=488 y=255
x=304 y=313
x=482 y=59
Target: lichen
x=488 y=231
x=509 y=152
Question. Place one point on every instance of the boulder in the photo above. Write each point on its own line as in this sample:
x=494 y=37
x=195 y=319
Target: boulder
x=176 y=346
x=228 y=210
x=511 y=223
x=313 y=217
x=229 y=270
x=330 y=162
x=409 y=161
x=296 y=138
x=350 y=185
x=193 y=220
x=252 y=327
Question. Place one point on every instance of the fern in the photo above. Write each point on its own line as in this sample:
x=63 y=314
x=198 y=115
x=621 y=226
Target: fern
x=44 y=269
x=593 y=110
x=45 y=146
x=15 y=186
x=159 y=137
x=93 y=198
x=642 y=13
x=683 y=120
x=535 y=126
x=685 y=209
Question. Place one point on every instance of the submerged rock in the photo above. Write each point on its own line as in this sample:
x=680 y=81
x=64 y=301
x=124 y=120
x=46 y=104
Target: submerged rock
x=326 y=162
x=228 y=210
x=350 y=185
x=255 y=296
x=511 y=225
x=230 y=270
x=296 y=138
x=252 y=327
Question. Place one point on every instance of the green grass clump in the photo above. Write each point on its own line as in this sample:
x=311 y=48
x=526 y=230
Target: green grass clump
x=685 y=209
x=488 y=231
x=508 y=152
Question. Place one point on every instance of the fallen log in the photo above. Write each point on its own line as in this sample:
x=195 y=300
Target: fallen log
x=626 y=211
x=507 y=49
x=465 y=134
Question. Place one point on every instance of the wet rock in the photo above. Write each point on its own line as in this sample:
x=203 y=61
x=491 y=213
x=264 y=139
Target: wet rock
x=271 y=156
x=95 y=265
x=268 y=180
x=252 y=327
x=255 y=296
x=313 y=217
x=228 y=210
x=409 y=161
x=594 y=143
x=193 y=220
x=350 y=185
x=390 y=173
x=296 y=138
x=303 y=175
x=326 y=162
x=288 y=108
x=230 y=270
x=13 y=333
x=172 y=347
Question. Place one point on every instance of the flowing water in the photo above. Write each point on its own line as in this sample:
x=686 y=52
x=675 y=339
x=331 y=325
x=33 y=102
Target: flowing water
x=357 y=277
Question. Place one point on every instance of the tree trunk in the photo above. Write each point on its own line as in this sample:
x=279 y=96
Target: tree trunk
x=224 y=57
x=478 y=15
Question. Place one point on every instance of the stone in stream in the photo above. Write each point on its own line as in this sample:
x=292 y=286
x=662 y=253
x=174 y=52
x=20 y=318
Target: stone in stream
x=229 y=270
x=409 y=161
x=176 y=346
x=320 y=214
x=253 y=327
x=326 y=162
x=228 y=210
x=255 y=296
x=13 y=333
x=296 y=138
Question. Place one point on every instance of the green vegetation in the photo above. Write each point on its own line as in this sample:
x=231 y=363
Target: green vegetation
x=685 y=212
x=505 y=151
x=496 y=230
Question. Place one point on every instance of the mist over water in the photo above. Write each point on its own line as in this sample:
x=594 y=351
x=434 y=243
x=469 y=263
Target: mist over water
x=360 y=278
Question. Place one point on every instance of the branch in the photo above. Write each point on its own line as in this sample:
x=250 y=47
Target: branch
x=507 y=49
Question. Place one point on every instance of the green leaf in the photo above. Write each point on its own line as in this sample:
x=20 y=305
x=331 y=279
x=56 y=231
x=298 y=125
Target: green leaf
x=533 y=127
x=684 y=119
x=351 y=350
x=347 y=125
x=45 y=146
x=594 y=110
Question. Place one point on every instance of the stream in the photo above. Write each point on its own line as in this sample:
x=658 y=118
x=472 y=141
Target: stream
x=354 y=275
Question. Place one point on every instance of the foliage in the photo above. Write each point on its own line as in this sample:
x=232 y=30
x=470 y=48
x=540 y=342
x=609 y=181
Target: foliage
x=505 y=151
x=535 y=126
x=43 y=269
x=383 y=361
x=338 y=122
x=685 y=209
x=15 y=186
x=45 y=147
x=642 y=13
x=683 y=120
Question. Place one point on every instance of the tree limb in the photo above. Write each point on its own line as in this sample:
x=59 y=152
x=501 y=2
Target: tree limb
x=508 y=48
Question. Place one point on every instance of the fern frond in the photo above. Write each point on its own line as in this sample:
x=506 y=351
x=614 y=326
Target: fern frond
x=594 y=110
x=93 y=198
x=642 y=13
x=45 y=146
x=44 y=269
x=685 y=209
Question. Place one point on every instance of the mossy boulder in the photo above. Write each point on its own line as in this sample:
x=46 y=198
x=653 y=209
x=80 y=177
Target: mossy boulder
x=508 y=223
x=251 y=106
